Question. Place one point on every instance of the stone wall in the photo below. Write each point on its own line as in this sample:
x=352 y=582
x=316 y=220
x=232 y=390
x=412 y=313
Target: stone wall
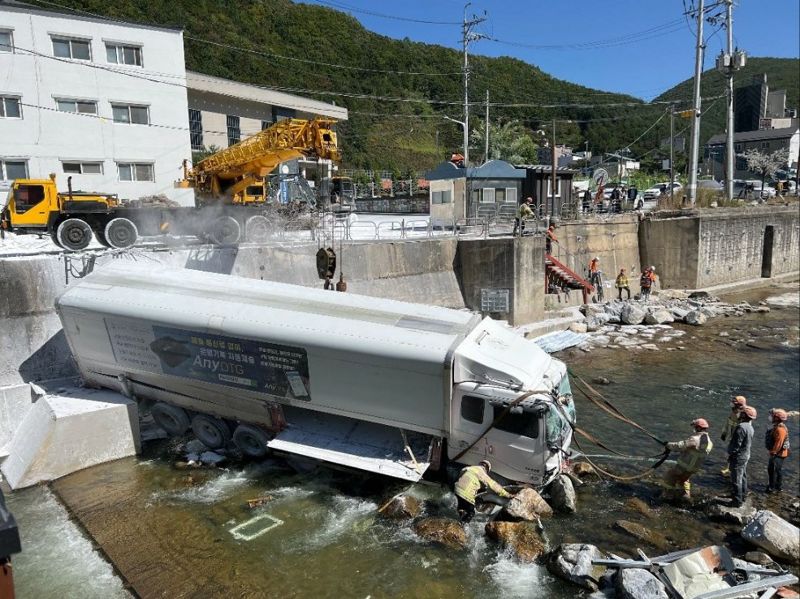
x=671 y=246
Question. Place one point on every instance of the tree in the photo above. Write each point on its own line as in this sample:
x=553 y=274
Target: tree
x=509 y=141
x=765 y=165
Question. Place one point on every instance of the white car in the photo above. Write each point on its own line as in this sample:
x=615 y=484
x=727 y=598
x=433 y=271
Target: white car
x=655 y=191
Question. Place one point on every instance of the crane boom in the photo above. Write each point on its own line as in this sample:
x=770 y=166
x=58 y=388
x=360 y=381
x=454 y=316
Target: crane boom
x=225 y=174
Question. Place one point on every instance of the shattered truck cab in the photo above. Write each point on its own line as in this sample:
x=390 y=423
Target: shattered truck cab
x=378 y=385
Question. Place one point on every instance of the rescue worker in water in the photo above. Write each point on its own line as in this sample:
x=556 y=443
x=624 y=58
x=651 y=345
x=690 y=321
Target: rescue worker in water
x=471 y=481
x=693 y=453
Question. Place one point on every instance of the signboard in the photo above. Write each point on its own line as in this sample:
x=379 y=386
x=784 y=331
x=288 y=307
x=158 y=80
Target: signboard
x=260 y=366
x=600 y=177
x=495 y=300
x=665 y=165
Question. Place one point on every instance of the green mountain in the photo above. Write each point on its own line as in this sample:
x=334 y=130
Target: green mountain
x=782 y=73
x=395 y=116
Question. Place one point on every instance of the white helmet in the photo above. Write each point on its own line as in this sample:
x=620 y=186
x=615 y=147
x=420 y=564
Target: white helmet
x=597 y=258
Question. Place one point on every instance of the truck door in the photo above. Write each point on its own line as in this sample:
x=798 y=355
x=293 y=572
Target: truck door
x=29 y=206
x=518 y=445
x=470 y=416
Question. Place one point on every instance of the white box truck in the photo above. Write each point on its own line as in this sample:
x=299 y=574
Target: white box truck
x=374 y=384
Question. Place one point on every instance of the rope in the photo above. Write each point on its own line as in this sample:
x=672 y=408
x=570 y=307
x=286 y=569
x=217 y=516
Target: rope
x=633 y=477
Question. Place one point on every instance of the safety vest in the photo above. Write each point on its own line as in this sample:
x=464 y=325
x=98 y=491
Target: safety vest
x=692 y=458
x=469 y=483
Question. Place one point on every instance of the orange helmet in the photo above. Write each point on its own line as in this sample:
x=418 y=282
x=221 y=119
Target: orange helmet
x=750 y=412
x=779 y=415
x=739 y=401
x=701 y=423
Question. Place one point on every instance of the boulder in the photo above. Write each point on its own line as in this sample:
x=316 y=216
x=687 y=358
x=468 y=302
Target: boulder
x=695 y=317
x=699 y=295
x=637 y=505
x=659 y=316
x=595 y=322
x=562 y=494
x=573 y=562
x=601 y=380
x=592 y=309
x=211 y=458
x=442 y=531
x=404 y=507
x=759 y=557
x=636 y=583
x=521 y=538
x=709 y=312
x=583 y=469
x=651 y=537
x=526 y=505
x=679 y=313
x=726 y=513
x=632 y=314
x=578 y=327
x=774 y=535
x=762 y=309
x=614 y=311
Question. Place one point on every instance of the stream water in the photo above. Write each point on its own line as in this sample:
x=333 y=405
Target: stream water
x=169 y=531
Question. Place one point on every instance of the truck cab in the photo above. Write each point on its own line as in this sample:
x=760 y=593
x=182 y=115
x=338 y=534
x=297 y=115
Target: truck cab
x=30 y=203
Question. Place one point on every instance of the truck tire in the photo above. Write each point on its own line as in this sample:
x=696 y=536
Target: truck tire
x=211 y=432
x=174 y=420
x=121 y=233
x=100 y=236
x=74 y=234
x=251 y=440
x=225 y=231
x=258 y=229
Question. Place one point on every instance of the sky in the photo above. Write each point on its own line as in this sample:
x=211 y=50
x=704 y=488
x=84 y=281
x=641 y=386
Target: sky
x=648 y=45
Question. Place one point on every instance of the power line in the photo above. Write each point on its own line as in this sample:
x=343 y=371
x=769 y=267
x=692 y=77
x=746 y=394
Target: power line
x=345 y=7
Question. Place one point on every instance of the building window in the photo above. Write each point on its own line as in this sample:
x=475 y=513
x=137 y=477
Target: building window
x=132 y=114
x=737 y=147
x=196 y=129
x=500 y=195
x=234 y=132
x=266 y=125
x=135 y=171
x=441 y=197
x=765 y=145
x=121 y=54
x=82 y=168
x=78 y=106
x=488 y=195
x=10 y=107
x=6 y=41
x=76 y=49
x=511 y=195
x=13 y=169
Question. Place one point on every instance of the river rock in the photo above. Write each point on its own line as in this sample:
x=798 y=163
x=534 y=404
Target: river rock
x=699 y=295
x=211 y=458
x=592 y=309
x=614 y=311
x=404 y=507
x=656 y=539
x=632 y=314
x=660 y=316
x=583 y=469
x=636 y=583
x=726 y=513
x=595 y=322
x=578 y=327
x=762 y=309
x=562 y=494
x=695 y=318
x=526 y=505
x=679 y=313
x=637 y=505
x=759 y=557
x=709 y=312
x=774 y=535
x=521 y=538
x=601 y=380
x=573 y=562
x=442 y=531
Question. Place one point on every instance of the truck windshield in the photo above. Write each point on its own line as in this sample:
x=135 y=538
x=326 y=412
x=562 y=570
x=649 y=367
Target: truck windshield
x=27 y=196
x=557 y=427
x=526 y=424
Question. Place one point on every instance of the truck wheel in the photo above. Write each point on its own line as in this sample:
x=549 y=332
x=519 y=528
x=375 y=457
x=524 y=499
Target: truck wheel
x=225 y=231
x=100 y=236
x=74 y=234
x=251 y=440
x=174 y=420
x=258 y=229
x=212 y=432
x=121 y=233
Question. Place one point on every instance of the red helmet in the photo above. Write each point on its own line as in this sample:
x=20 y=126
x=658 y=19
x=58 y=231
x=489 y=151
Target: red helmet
x=779 y=415
x=701 y=423
x=750 y=412
x=739 y=401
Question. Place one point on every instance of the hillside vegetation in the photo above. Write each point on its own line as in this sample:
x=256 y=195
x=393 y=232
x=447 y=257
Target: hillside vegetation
x=395 y=119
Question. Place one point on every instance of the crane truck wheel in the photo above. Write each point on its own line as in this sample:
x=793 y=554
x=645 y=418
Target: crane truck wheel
x=211 y=432
x=100 y=236
x=121 y=233
x=258 y=229
x=225 y=231
x=74 y=234
x=251 y=440
x=174 y=420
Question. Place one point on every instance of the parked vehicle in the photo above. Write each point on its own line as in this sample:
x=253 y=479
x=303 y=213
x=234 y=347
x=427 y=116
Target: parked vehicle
x=373 y=384
x=653 y=192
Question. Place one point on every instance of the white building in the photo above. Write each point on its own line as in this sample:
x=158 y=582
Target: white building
x=102 y=101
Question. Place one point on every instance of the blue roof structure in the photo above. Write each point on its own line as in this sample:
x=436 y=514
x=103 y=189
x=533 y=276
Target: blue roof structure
x=493 y=169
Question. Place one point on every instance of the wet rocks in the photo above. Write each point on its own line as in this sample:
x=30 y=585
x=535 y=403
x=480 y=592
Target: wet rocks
x=442 y=531
x=659 y=316
x=526 y=505
x=578 y=327
x=404 y=507
x=774 y=535
x=759 y=557
x=601 y=380
x=635 y=583
x=562 y=494
x=695 y=318
x=573 y=562
x=211 y=458
x=583 y=469
x=632 y=314
x=651 y=537
x=637 y=505
x=596 y=321
x=727 y=513
x=521 y=538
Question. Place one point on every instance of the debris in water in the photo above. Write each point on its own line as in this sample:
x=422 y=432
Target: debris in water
x=250 y=529
x=258 y=501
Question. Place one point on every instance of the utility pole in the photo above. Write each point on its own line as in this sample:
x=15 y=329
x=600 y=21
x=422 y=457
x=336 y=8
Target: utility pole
x=694 y=152
x=486 y=133
x=467 y=36
x=728 y=63
x=553 y=163
x=671 y=109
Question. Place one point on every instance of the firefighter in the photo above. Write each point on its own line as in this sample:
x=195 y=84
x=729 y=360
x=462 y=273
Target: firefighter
x=471 y=481
x=739 y=454
x=523 y=213
x=738 y=403
x=777 y=443
x=693 y=453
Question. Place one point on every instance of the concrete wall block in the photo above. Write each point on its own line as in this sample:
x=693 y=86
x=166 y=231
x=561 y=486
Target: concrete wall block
x=15 y=402
x=672 y=247
x=65 y=433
